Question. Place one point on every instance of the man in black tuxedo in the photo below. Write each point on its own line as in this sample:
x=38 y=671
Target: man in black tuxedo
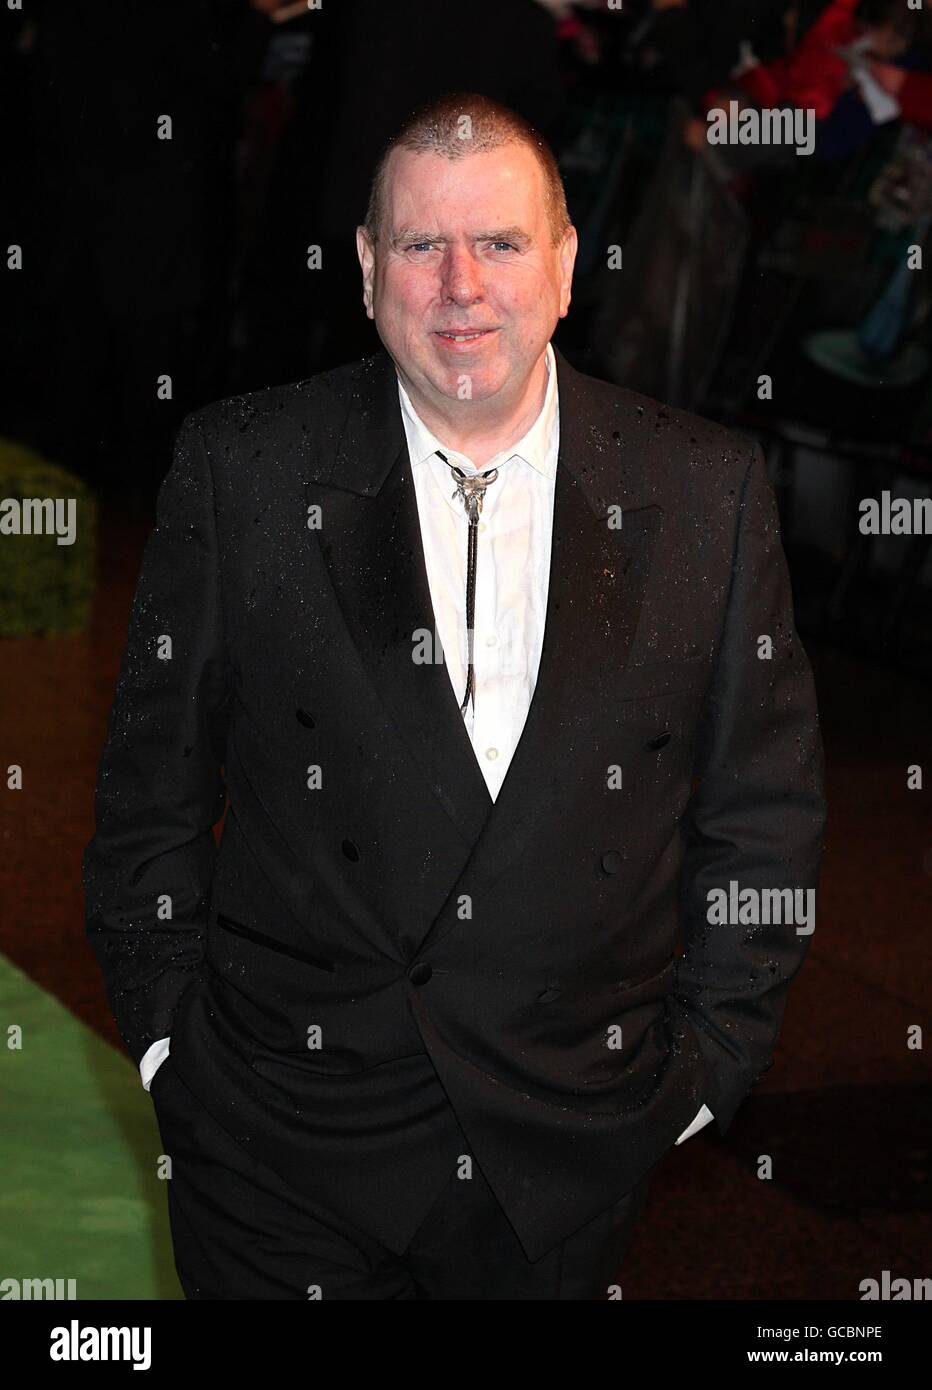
x=497 y=666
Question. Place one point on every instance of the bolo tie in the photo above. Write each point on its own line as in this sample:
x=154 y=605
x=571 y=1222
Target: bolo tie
x=470 y=487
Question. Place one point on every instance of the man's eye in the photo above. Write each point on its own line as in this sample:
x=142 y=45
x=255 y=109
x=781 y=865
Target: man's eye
x=502 y=245
x=421 y=246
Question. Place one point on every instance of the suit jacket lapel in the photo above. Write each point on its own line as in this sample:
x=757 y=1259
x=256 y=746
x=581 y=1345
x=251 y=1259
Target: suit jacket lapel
x=371 y=541
x=598 y=576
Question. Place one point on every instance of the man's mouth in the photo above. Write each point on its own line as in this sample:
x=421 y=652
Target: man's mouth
x=463 y=335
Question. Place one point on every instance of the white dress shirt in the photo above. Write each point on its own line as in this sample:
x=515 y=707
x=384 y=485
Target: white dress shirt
x=512 y=583
x=512 y=571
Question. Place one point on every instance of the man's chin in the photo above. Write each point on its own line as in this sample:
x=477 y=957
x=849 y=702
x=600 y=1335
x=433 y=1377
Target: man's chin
x=469 y=381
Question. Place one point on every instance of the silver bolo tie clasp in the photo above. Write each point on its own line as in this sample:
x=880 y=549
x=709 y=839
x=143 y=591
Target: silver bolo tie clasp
x=470 y=487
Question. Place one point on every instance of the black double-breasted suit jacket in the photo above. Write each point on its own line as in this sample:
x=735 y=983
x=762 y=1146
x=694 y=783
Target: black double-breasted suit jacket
x=380 y=969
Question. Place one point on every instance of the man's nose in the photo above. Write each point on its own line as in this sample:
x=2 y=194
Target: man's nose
x=462 y=282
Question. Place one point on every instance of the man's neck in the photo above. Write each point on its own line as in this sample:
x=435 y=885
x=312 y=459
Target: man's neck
x=481 y=429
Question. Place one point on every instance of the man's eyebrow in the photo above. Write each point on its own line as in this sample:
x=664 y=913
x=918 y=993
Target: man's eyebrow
x=503 y=234
x=414 y=235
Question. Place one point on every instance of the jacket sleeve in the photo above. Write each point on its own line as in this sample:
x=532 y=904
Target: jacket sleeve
x=756 y=814
x=148 y=868
x=833 y=25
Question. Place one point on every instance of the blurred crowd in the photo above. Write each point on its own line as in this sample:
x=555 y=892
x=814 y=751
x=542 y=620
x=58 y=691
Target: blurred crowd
x=165 y=264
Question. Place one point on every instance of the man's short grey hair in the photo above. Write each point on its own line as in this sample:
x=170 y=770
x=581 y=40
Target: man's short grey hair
x=466 y=123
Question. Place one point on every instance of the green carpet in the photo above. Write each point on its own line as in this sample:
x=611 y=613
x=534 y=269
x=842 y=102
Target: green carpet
x=80 y=1197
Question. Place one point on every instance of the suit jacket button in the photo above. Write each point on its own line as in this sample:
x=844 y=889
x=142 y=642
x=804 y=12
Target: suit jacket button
x=611 y=861
x=419 y=974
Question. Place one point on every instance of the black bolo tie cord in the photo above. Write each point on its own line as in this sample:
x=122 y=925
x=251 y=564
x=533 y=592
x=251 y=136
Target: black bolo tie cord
x=471 y=488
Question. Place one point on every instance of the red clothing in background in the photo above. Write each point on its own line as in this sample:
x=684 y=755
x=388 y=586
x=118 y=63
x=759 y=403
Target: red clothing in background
x=915 y=98
x=813 y=77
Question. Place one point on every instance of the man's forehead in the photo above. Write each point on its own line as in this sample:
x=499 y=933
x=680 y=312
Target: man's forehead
x=484 y=181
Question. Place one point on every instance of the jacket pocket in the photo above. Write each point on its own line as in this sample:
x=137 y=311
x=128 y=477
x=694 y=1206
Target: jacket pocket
x=656 y=678
x=637 y=984
x=283 y=948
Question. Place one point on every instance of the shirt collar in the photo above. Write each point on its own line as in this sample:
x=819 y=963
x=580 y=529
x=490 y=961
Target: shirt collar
x=537 y=447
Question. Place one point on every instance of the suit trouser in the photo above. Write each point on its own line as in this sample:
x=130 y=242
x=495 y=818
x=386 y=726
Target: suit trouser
x=240 y=1232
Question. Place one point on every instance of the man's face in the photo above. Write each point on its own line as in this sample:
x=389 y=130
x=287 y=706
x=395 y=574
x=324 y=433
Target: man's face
x=465 y=250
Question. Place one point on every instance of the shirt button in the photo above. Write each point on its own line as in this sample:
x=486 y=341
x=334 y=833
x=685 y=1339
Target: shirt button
x=491 y=754
x=491 y=640
x=481 y=525
x=419 y=974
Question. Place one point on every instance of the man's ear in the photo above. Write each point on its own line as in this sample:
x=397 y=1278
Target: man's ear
x=366 y=253
x=567 y=262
